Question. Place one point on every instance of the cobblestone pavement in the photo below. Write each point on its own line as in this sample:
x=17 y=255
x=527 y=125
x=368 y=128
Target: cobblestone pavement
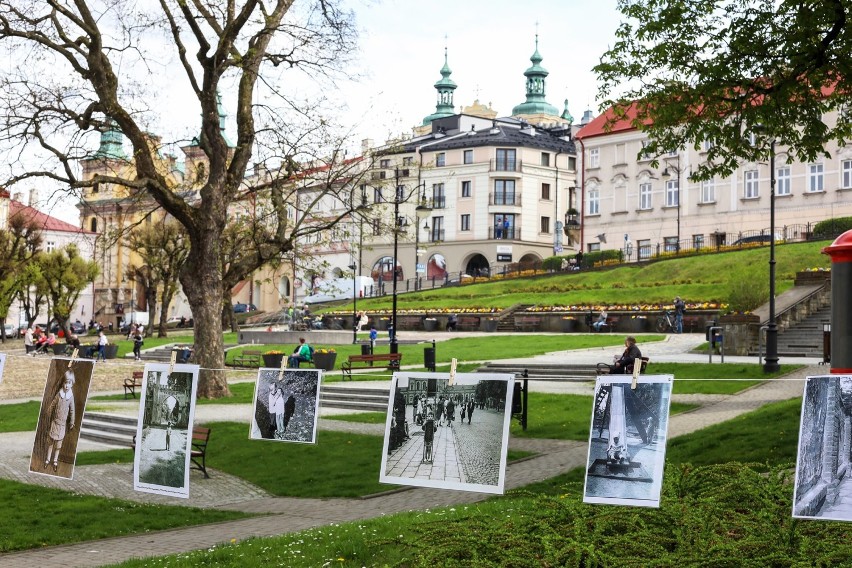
x=291 y=515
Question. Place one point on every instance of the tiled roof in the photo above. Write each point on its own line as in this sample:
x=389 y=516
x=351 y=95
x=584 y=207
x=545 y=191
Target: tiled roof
x=599 y=127
x=499 y=136
x=45 y=222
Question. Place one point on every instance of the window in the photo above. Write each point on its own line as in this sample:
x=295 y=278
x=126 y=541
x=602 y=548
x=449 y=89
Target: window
x=504 y=192
x=384 y=164
x=620 y=154
x=545 y=158
x=752 y=190
x=377 y=195
x=438 y=198
x=545 y=191
x=465 y=222
x=50 y=246
x=708 y=191
x=846 y=181
x=706 y=145
x=505 y=160
x=440 y=159
x=672 y=193
x=465 y=189
x=376 y=227
x=504 y=226
x=594 y=201
x=96 y=187
x=545 y=224
x=594 y=157
x=594 y=247
x=697 y=241
x=645 y=154
x=670 y=244
x=572 y=163
x=782 y=181
x=815 y=178
x=408 y=161
x=437 y=229
x=93 y=225
x=645 y=196
x=468 y=156
x=644 y=249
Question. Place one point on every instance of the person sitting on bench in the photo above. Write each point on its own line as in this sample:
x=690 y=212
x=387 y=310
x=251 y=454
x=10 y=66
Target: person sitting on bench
x=601 y=321
x=301 y=354
x=624 y=364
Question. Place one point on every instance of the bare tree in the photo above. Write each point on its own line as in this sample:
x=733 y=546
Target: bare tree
x=163 y=248
x=103 y=54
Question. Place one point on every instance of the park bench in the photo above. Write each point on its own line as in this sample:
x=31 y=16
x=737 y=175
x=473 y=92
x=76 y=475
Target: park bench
x=610 y=325
x=198 y=453
x=386 y=360
x=468 y=323
x=691 y=323
x=133 y=383
x=604 y=368
x=527 y=323
x=248 y=358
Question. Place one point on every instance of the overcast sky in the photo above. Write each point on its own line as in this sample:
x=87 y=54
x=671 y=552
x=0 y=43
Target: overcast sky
x=489 y=45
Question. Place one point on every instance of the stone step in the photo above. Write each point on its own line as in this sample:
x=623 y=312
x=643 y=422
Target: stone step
x=111 y=429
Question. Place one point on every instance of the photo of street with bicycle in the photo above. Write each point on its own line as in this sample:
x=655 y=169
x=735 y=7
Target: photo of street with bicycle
x=448 y=434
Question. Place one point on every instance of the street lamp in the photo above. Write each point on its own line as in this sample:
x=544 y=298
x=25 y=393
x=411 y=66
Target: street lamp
x=770 y=364
x=667 y=174
x=422 y=212
x=353 y=268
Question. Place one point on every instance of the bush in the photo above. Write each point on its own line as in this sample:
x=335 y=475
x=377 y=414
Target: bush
x=611 y=256
x=747 y=295
x=832 y=228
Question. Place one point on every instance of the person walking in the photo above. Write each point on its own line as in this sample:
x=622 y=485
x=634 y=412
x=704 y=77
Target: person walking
x=470 y=407
x=138 y=341
x=102 y=343
x=28 y=340
x=680 y=308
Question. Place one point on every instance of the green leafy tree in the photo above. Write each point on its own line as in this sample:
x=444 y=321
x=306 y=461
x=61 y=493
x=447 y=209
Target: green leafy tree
x=721 y=70
x=19 y=243
x=163 y=247
x=64 y=275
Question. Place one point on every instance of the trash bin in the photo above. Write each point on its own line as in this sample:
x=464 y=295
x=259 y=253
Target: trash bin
x=707 y=325
x=366 y=349
x=430 y=324
x=429 y=358
x=517 y=404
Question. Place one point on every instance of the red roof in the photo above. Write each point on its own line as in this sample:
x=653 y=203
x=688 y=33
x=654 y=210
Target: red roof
x=607 y=123
x=43 y=221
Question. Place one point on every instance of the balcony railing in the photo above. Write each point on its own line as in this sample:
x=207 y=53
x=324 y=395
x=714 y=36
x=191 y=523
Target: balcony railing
x=439 y=202
x=512 y=233
x=436 y=235
x=505 y=165
x=511 y=199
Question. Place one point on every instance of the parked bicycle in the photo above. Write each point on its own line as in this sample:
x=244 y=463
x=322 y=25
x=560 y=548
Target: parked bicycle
x=666 y=322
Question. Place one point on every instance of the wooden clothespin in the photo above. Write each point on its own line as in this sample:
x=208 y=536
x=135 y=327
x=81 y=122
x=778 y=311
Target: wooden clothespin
x=172 y=362
x=281 y=370
x=453 y=364
x=636 y=369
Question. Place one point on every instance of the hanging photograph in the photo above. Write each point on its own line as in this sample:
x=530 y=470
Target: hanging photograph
x=2 y=366
x=627 y=441
x=448 y=436
x=823 y=468
x=286 y=405
x=60 y=417
x=164 y=435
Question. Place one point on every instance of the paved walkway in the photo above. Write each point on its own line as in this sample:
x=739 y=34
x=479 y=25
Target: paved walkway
x=285 y=515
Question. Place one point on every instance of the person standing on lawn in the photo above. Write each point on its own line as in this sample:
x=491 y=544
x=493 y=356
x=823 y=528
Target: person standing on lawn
x=679 y=309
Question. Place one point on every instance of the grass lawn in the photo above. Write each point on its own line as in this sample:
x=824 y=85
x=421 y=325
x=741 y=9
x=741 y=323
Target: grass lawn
x=35 y=516
x=242 y=393
x=716 y=378
x=20 y=417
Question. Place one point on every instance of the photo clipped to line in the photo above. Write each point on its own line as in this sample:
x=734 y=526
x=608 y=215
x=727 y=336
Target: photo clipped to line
x=286 y=405
x=165 y=433
x=62 y=407
x=627 y=441
x=449 y=436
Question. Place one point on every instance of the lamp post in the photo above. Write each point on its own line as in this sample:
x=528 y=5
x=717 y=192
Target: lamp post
x=770 y=364
x=422 y=212
x=667 y=174
x=353 y=268
x=400 y=196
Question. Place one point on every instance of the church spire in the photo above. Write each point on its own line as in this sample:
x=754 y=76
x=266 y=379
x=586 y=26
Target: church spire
x=536 y=75
x=112 y=140
x=445 y=87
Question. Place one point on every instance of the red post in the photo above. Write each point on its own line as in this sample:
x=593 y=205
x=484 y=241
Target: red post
x=840 y=252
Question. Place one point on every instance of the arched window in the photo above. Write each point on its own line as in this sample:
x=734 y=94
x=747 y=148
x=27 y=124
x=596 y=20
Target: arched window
x=94 y=225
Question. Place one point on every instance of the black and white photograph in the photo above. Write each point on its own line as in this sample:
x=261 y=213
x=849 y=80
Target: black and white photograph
x=286 y=405
x=60 y=417
x=823 y=487
x=448 y=436
x=627 y=441
x=164 y=435
x=2 y=365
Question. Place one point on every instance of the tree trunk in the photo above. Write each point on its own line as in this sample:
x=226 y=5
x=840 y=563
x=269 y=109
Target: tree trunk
x=201 y=278
x=151 y=300
x=162 y=329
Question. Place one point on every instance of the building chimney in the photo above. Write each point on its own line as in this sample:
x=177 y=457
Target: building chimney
x=366 y=144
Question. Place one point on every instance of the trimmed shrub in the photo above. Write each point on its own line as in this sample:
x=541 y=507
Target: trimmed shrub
x=832 y=228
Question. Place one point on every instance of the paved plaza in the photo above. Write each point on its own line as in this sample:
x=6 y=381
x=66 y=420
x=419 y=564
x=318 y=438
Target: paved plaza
x=283 y=515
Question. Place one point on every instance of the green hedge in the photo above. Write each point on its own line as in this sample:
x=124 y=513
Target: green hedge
x=831 y=228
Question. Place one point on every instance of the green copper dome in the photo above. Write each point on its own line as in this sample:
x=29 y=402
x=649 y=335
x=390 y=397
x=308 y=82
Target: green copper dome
x=445 y=87
x=112 y=141
x=220 y=109
x=536 y=75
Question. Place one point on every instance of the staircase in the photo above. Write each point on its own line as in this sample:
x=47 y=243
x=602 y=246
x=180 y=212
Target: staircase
x=804 y=339
x=364 y=399
x=506 y=320
x=109 y=429
x=162 y=354
x=543 y=371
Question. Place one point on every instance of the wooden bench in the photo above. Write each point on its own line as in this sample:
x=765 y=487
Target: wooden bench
x=610 y=325
x=605 y=368
x=133 y=383
x=248 y=358
x=198 y=455
x=200 y=437
x=527 y=323
x=384 y=360
x=469 y=323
